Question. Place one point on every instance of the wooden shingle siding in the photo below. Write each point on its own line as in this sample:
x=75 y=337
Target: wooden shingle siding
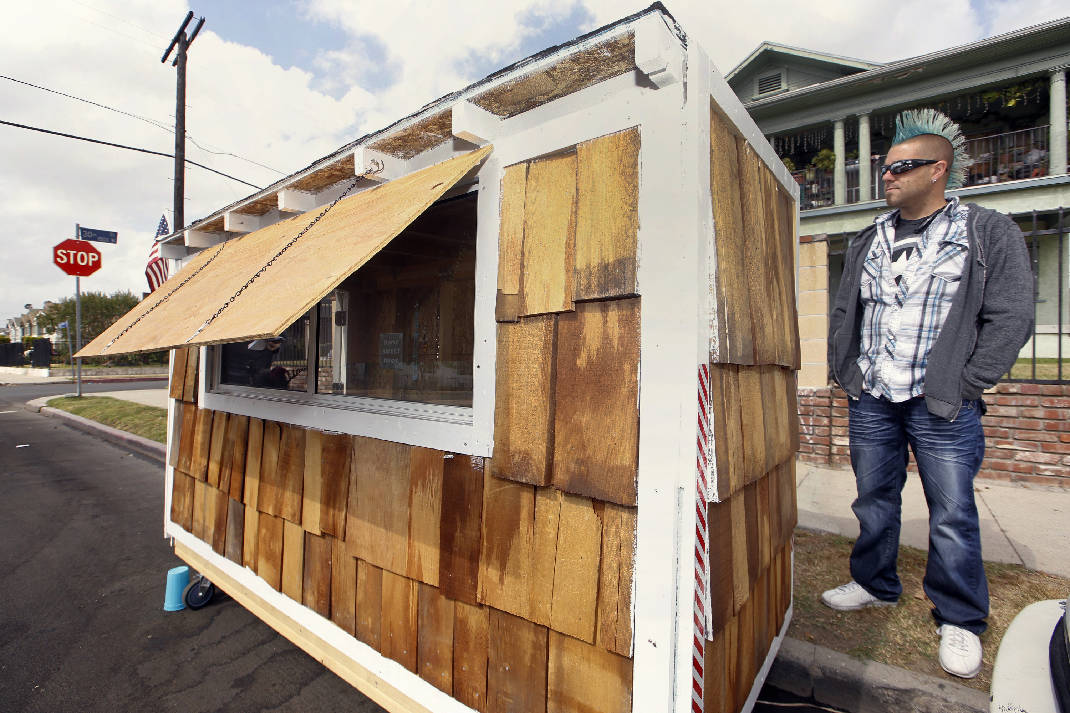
x=343 y=587
x=511 y=242
x=470 y=649
x=335 y=452
x=399 y=637
x=182 y=500
x=577 y=673
x=178 y=373
x=596 y=410
x=312 y=483
x=435 y=638
x=614 y=623
x=507 y=545
x=735 y=652
x=524 y=399
x=316 y=584
x=516 y=665
x=215 y=448
x=536 y=560
x=235 y=539
x=369 y=604
x=549 y=236
x=734 y=321
x=460 y=532
x=378 y=526
x=754 y=234
x=425 y=514
x=607 y=216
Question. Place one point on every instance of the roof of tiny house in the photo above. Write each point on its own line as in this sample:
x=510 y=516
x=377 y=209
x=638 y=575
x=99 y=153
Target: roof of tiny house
x=588 y=59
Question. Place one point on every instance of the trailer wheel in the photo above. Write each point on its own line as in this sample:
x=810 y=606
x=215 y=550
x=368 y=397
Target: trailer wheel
x=198 y=592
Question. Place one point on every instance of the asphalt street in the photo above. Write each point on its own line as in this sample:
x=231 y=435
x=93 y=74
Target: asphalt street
x=82 y=626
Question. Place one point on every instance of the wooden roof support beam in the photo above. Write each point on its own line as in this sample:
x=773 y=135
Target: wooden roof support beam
x=658 y=53
x=291 y=201
x=364 y=159
x=202 y=239
x=475 y=124
x=174 y=251
x=241 y=222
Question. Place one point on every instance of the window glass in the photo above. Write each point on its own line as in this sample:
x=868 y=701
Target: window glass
x=400 y=328
x=408 y=328
x=276 y=363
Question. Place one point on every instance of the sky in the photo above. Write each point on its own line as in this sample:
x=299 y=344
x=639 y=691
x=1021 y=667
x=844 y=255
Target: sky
x=273 y=85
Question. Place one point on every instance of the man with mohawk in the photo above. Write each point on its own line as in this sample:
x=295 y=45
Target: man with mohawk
x=935 y=302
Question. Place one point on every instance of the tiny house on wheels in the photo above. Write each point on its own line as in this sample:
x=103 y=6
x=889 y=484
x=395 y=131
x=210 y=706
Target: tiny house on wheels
x=494 y=409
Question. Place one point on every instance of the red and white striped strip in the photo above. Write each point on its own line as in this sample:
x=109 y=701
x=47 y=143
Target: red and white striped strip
x=703 y=472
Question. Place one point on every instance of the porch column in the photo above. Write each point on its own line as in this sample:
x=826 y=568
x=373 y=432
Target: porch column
x=839 y=176
x=1057 y=122
x=865 y=189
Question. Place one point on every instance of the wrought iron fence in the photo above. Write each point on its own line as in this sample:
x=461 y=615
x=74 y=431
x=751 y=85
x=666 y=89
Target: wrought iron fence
x=1045 y=358
x=996 y=158
x=816 y=188
x=1008 y=156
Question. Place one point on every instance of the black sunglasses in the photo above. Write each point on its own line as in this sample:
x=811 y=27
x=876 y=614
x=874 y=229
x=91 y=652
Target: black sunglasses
x=906 y=164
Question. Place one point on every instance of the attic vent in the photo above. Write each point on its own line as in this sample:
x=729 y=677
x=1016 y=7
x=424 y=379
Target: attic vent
x=770 y=83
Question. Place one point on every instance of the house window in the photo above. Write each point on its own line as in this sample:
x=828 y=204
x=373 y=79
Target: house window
x=770 y=83
x=399 y=329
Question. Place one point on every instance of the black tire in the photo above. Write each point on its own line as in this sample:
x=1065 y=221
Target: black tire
x=195 y=596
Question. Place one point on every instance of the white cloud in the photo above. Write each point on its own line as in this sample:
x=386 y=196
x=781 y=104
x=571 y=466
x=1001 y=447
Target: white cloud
x=399 y=56
x=237 y=101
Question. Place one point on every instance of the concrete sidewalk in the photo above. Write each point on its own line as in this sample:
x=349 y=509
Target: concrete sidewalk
x=1022 y=525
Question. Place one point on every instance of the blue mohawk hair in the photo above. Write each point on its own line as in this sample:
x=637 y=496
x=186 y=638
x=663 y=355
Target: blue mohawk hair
x=917 y=122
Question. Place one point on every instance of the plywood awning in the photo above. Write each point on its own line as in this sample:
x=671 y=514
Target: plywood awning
x=185 y=310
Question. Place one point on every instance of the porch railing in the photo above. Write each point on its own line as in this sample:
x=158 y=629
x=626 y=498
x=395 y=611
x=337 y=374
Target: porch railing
x=816 y=188
x=1008 y=157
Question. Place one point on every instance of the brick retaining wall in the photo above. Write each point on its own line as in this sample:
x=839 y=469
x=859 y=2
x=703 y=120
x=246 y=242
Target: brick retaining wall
x=1027 y=430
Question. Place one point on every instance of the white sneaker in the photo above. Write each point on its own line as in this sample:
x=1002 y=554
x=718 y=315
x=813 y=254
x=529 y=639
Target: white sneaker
x=960 y=651
x=851 y=596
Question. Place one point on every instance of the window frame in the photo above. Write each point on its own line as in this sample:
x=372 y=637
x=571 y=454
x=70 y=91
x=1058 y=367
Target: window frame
x=460 y=429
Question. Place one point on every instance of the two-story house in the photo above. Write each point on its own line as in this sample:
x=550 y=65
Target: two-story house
x=831 y=120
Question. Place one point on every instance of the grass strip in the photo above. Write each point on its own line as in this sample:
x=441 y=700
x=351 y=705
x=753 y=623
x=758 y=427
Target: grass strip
x=904 y=635
x=146 y=421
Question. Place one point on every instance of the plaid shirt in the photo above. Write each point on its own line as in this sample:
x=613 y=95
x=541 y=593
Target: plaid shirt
x=900 y=323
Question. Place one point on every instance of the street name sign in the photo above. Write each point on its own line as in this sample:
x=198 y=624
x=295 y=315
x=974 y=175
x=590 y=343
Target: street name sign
x=100 y=236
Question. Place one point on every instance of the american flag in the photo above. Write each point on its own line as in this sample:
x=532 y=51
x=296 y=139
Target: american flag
x=156 y=269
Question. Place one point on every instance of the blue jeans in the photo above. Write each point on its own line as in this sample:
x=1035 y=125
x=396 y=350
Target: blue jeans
x=948 y=454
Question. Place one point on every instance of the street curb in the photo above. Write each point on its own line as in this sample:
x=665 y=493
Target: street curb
x=142 y=446
x=862 y=686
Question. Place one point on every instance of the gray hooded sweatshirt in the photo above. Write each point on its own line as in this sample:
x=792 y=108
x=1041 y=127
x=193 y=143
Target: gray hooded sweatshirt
x=990 y=318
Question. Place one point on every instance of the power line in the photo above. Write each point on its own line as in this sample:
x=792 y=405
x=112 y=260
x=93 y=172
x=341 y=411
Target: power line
x=89 y=101
x=121 y=19
x=123 y=146
x=147 y=120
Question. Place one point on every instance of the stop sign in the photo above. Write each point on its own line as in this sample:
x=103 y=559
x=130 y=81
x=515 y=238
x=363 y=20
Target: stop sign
x=76 y=257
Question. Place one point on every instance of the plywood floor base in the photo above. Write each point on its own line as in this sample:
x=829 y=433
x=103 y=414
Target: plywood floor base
x=354 y=674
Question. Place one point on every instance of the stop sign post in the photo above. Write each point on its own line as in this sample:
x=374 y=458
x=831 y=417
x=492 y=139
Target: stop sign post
x=76 y=257
x=80 y=259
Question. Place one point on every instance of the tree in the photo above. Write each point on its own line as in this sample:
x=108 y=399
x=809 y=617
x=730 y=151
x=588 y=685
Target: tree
x=99 y=311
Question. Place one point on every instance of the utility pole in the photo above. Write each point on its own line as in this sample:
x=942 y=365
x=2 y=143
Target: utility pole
x=182 y=42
